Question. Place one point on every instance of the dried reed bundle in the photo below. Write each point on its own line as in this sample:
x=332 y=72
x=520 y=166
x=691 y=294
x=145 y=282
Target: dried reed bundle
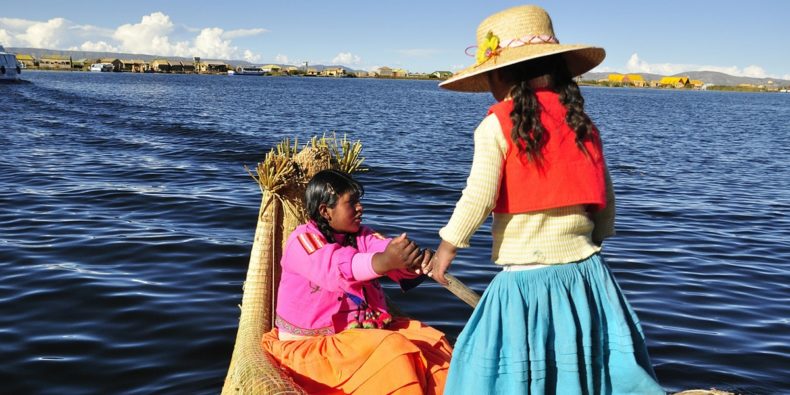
x=282 y=177
x=348 y=159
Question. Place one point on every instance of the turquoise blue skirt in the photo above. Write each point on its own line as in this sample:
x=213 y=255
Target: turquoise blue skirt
x=565 y=329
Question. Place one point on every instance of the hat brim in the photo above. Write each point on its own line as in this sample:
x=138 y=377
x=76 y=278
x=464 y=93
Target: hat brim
x=579 y=58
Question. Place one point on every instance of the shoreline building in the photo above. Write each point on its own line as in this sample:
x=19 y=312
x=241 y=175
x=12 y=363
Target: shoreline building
x=627 y=79
x=674 y=82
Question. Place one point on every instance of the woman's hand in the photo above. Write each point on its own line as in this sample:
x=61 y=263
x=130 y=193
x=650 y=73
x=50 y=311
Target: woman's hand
x=425 y=264
x=401 y=253
x=441 y=262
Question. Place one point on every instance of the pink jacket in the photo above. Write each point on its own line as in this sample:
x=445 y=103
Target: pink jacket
x=323 y=284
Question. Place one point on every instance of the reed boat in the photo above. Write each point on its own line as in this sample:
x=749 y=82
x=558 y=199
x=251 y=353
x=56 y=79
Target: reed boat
x=282 y=177
x=102 y=67
x=246 y=71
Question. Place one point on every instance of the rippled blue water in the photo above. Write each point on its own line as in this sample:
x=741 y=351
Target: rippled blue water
x=127 y=218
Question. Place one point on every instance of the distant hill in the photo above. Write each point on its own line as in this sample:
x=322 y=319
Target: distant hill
x=39 y=52
x=725 y=79
x=708 y=77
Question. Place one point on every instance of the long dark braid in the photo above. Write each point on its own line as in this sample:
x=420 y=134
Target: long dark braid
x=326 y=187
x=549 y=72
x=528 y=132
x=576 y=118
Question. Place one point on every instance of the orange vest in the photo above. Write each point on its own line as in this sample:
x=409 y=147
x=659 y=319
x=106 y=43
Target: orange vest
x=564 y=177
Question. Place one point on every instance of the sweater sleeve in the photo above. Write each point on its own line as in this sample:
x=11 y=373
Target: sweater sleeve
x=604 y=219
x=482 y=187
x=370 y=243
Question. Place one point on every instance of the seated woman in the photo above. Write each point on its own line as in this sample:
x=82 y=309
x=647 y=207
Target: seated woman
x=333 y=332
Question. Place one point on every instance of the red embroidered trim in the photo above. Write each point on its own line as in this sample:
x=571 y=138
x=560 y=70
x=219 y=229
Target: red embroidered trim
x=311 y=242
x=286 y=326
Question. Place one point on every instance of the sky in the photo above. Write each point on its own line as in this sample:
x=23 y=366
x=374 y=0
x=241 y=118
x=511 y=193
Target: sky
x=667 y=37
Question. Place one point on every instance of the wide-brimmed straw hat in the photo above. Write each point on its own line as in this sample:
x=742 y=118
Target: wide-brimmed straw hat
x=516 y=35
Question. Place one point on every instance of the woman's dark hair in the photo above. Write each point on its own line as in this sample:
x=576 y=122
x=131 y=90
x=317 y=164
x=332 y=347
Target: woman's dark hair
x=528 y=132
x=326 y=187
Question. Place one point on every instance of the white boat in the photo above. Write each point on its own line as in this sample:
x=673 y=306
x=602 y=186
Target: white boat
x=247 y=71
x=10 y=68
x=102 y=67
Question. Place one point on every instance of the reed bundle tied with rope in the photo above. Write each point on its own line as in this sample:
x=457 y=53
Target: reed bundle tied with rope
x=282 y=177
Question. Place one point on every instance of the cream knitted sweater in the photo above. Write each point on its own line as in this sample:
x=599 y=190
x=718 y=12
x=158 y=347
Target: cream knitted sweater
x=559 y=235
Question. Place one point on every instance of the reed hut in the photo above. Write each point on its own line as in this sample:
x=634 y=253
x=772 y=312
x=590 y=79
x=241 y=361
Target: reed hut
x=161 y=66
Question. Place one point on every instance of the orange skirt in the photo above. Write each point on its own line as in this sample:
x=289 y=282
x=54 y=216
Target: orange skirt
x=406 y=358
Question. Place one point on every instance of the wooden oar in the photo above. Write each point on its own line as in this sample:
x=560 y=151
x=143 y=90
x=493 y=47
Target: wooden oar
x=460 y=290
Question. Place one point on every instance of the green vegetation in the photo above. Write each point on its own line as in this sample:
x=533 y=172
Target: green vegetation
x=736 y=88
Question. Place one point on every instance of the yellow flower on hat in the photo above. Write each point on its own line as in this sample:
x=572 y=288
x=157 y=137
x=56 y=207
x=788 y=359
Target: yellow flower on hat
x=488 y=48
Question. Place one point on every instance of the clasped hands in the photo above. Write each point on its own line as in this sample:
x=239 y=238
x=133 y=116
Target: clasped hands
x=403 y=253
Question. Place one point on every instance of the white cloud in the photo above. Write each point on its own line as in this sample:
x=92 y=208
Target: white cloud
x=5 y=38
x=47 y=34
x=638 y=65
x=251 y=57
x=280 y=58
x=209 y=43
x=56 y=33
x=602 y=69
x=754 y=71
x=90 y=31
x=150 y=36
x=346 y=58
x=154 y=34
x=231 y=34
x=15 y=25
x=99 y=46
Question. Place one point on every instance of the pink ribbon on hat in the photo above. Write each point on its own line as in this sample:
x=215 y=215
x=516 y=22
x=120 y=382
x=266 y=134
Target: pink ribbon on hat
x=532 y=39
x=526 y=40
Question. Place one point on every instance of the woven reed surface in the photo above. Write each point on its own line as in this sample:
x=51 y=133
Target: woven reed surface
x=252 y=370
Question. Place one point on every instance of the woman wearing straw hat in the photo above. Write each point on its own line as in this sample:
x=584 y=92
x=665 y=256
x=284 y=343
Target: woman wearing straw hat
x=554 y=320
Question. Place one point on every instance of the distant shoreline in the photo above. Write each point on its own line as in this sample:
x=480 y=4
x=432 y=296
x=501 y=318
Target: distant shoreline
x=586 y=83
x=715 y=88
x=56 y=60
x=408 y=78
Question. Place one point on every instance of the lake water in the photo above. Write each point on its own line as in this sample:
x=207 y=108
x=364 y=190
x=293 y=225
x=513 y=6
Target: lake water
x=127 y=217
